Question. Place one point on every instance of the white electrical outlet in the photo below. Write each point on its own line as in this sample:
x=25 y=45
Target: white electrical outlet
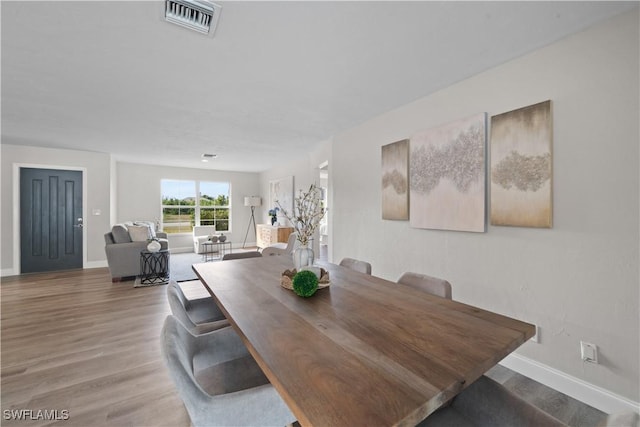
x=536 y=337
x=589 y=352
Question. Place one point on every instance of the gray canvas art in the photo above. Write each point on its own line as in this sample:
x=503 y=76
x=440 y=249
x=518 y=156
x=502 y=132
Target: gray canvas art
x=521 y=179
x=447 y=176
x=395 y=180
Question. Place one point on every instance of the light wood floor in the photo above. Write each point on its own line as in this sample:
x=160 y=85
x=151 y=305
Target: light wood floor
x=75 y=341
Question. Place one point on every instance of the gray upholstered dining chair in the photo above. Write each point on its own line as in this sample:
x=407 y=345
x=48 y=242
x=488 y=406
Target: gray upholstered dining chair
x=198 y=315
x=624 y=419
x=241 y=255
x=282 y=248
x=488 y=403
x=432 y=285
x=218 y=381
x=357 y=265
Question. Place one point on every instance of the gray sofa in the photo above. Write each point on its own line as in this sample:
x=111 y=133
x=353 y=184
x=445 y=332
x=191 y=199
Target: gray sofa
x=123 y=245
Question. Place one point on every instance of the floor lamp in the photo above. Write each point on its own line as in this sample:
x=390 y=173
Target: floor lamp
x=252 y=201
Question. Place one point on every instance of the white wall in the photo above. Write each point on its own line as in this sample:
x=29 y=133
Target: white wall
x=578 y=280
x=97 y=167
x=121 y=191
x=305 y=171
x=139 y=196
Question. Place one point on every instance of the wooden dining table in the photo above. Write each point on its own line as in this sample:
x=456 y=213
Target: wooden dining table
x=363 y=351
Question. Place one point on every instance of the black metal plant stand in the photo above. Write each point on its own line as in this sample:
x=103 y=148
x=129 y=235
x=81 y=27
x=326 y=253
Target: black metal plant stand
x=154 y=267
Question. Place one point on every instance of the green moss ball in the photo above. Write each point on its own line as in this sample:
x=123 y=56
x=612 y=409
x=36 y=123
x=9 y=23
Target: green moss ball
x=305 y=283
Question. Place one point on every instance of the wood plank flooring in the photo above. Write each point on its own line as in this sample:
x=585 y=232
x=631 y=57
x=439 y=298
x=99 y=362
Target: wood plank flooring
x=74 y=341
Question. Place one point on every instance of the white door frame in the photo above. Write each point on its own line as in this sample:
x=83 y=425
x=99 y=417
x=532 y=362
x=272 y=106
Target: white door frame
x=16 y=208
x=321 y=166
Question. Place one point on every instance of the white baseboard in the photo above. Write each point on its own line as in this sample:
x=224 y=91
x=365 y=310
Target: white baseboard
x=592 y=395
x=5 y=272
x=190 y=248
x=181 y=250
x=96 y=264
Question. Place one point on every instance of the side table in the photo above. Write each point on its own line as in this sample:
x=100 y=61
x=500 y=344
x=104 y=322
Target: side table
x=154 y=267
x=208 y=250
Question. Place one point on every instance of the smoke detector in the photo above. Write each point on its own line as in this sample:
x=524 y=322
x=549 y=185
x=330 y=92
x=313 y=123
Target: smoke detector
x=198 y=15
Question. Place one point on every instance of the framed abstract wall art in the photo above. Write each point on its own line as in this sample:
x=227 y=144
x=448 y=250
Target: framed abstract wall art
x=282 y=191
x=521 y=167
x=395 y=180
x=447 y=176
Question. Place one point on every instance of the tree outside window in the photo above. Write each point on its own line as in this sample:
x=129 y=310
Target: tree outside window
x=181 y=209
x=214 y=205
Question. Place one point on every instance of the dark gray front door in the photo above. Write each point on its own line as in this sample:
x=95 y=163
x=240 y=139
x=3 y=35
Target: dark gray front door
x=50 y=220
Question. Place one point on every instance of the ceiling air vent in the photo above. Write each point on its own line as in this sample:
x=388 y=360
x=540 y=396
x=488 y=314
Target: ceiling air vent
x=199 y=15
x=206 y=157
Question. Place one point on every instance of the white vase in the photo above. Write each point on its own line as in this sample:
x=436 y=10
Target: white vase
x=302 y=257
x=154 y=246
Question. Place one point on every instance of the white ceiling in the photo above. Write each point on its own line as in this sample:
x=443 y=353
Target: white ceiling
x=276 y=79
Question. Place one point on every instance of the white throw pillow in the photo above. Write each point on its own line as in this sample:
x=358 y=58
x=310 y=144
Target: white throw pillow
x=139 y=233
x=150 y=224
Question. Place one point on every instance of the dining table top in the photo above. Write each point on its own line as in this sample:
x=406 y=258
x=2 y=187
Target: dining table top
x=362 y=351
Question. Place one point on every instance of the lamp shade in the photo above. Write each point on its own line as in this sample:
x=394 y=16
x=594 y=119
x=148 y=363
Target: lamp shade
x=252 y=201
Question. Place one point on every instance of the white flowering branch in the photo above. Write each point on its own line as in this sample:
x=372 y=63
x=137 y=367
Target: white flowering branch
x=307 y=213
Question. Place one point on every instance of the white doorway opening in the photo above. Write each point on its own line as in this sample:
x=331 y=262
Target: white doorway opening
x=324 y=224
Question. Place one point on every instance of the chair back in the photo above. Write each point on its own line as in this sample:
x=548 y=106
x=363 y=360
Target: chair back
x=282 y=248
x=179 y=304
x=182 y=351
x=489 y=403
x=204 y=230
x=292 y=242
x=241 y=255
x=357 y=265
x=432 y=285
x=178 y=349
